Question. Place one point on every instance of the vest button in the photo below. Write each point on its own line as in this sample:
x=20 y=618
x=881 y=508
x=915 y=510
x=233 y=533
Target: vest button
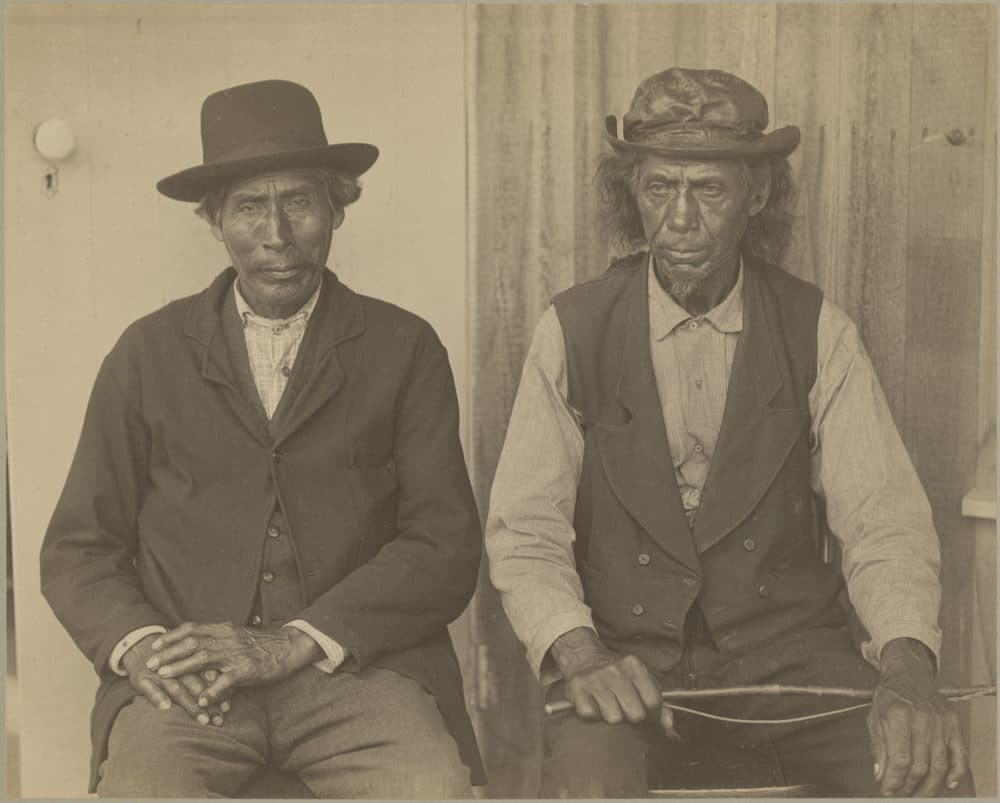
x=688 y=581
x=643 y=559
x=749 y=545
x=669 y=624
x=763 y=590
x=637 y=610
x=255 y=621
x=273 y=532
x=268 y=577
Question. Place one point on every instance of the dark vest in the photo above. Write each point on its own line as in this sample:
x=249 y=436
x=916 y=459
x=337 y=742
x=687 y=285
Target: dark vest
x=751 y=563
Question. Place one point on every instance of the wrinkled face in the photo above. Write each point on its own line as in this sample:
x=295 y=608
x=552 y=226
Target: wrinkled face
x=694 y=214
x=277 y=228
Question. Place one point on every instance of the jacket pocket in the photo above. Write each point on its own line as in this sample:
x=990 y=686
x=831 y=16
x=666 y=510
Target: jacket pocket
x=376 y=493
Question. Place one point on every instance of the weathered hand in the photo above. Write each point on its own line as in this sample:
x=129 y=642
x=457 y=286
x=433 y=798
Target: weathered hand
x=183 y=689
x=603 y=684
x=914 y=730
x=242 y=656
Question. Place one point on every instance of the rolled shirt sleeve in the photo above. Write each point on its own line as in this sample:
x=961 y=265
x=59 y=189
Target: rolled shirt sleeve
x=529 y=529
x=875 y=505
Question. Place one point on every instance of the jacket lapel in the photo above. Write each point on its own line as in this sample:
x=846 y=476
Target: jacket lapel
x=760 y=424
x=633 y=441
x=318 y=373
x=206 y=324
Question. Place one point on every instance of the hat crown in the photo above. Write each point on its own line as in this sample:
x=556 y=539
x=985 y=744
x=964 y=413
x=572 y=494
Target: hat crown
x=259 y=118
x=682 y=98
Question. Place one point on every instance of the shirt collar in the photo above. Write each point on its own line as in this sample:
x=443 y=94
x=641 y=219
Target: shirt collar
x=665 y=314
x=247 y=315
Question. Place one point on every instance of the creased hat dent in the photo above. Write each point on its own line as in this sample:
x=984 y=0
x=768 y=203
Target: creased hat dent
x=699 y=114
x=265 y=125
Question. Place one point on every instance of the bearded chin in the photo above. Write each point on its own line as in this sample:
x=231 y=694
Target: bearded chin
x=682 y=289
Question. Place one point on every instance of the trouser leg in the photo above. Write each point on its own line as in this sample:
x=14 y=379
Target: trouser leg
x=371 y=734
x=154 y=753
x=592 y=759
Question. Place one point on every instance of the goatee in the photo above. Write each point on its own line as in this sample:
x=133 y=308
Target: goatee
x=686 y=292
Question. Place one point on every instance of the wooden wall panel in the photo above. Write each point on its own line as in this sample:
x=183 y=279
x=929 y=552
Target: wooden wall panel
x=986 y=464
x=943 y=290
x=872 y=184
x=807 y=92
x=605 y=80
x=523 y=258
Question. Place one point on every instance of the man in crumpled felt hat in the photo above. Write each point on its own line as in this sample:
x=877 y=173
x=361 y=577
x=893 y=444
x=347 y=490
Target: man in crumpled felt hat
x=678 y=417
x=268 y=523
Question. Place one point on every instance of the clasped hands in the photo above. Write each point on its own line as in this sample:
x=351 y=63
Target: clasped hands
x=914 y=731
x=197 y=665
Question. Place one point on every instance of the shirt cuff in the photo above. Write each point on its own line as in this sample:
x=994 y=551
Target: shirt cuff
x=335 y=654
x=930 y=637
x=127 y=643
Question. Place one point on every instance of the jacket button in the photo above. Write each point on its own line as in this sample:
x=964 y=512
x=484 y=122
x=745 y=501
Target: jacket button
x=763 y=590
x=277 y=454
x=749 y=545
x=255 y=621
x=643 y=559
x=688 y=581
x=637 y=610
x=273 y=532
x=669 y=624
x=268 y=577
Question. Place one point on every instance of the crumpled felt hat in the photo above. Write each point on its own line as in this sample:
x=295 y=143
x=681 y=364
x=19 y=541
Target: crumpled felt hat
x=699 y=114
x=258 y=127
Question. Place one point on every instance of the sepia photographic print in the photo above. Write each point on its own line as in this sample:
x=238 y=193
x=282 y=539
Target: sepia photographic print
x=543 y=400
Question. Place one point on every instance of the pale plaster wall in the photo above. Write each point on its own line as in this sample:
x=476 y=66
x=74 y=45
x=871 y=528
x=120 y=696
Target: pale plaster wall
x=107 y=248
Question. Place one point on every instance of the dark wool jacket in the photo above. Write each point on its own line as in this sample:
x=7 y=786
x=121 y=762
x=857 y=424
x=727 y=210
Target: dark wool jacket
x=165 y=510
x=751 y=560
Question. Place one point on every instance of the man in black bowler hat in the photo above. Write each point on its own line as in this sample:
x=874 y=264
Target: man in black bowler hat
x=676 y=421
x=268 y=523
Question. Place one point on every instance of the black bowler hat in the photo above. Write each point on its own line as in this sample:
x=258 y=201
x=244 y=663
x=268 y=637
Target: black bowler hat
x=266 y=125
x=699 y=114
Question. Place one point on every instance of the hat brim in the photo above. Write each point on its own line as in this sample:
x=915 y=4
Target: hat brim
x=779 y=142
x=353 y=158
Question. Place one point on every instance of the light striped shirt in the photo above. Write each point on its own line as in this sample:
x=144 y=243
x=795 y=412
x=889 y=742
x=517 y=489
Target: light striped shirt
x=272 y=346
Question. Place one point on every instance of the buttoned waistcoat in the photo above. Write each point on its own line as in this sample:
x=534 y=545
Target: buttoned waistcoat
x=751 y=561
x=177 y=475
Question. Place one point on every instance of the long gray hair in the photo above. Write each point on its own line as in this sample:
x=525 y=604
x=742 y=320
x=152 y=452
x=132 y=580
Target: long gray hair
x=767 y=233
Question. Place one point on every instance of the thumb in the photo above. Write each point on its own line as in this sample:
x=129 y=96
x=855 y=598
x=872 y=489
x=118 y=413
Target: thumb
x=667 y=723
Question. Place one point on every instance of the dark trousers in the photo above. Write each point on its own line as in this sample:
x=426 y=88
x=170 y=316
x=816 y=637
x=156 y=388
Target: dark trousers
x=831 y=755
